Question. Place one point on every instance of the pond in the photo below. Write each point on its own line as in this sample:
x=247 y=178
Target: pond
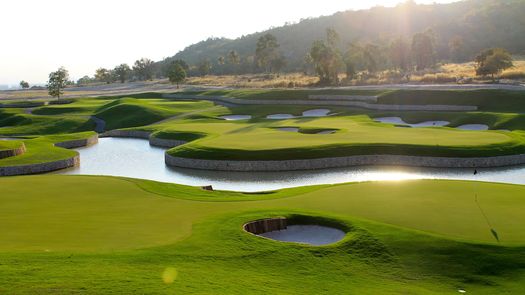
x=136 y=158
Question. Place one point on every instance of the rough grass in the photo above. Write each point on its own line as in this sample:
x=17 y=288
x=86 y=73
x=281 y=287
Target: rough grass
x=106 y=235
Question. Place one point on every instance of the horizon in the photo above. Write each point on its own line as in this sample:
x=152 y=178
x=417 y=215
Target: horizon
x=85 y=46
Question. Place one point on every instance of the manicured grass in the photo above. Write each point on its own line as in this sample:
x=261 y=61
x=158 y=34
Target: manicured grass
x=9 y=144
x=16 y=122
x=357 y=135
x=130 y=112
x=107 y=235
x=42 y=150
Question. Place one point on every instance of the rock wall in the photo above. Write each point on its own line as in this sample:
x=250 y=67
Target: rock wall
x=154 y=141
x=265 y=225
x=372 y=99
x=335 y=162
x=71 y=144
x=355 y=104
x=14 y=152
x=53 y=165
x=39 y=167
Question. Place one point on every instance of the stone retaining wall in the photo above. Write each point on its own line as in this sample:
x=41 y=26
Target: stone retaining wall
x=39 y=167
x=372 y=99
x=154 y=141
x=266 y=225
x=71 y=144
x=14 y=152
x=337 y=162
x=54 y=165
x=355 y=104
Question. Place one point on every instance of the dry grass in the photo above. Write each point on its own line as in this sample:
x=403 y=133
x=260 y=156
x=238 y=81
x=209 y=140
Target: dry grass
x=256 y=81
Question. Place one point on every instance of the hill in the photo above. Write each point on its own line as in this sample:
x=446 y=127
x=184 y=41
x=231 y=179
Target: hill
x=478 y=24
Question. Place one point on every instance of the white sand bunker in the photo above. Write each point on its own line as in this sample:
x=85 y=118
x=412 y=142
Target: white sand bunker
x=316 y=235
x=289 y=129
x=316 y=113
x=280 y=116
x=475 y=127
x=236 y=117
x=399 y=121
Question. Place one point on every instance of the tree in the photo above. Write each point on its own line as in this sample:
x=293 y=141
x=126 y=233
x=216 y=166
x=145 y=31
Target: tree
x=122 y=72
x=143 y=69
x=176 y=74
x=456 y=47
x=220 y=60
x=400 y=54
x=353 y=60
x=423 y=50
x=104 y=75
x=326 y=58
x=493 y=61
x=85 y=80
x=266 y=51
x=233 y=57
x=57 y=82
x=24 y=84
x=204 y=67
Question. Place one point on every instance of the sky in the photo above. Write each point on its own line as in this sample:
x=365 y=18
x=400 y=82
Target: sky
x=40 y=36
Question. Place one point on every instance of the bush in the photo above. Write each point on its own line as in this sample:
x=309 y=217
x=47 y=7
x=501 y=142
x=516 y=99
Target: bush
x=513 y=75
x=438 y=78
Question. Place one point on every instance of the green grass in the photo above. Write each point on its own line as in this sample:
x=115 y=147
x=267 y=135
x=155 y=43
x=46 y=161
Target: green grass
x=486 y=100
x=356 y=135
x=42 y=150
x=16 y=122
x=107 y=235
x=9 y=144
x=130 y=112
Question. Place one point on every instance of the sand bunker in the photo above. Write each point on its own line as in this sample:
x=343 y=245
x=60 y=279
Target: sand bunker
x=399 y=121
x=316 y=113
x=279 y=230
x=280 y=116
x=475 y=127
x=236 y=117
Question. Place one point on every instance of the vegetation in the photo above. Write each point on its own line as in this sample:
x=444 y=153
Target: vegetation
x=493 y=61
x=24 y=84
x=57 y=82
x=176 y=74
x=437 y=244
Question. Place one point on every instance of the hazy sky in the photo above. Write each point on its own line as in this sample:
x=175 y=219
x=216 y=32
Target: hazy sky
x=39 y=36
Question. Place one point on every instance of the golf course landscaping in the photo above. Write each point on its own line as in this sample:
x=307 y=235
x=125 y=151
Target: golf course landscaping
x=92 y=234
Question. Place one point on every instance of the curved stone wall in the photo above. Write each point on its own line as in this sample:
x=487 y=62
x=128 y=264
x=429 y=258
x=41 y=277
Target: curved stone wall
x=154 y=141
x=40 y=167
x=262 y=226
x=337 y=162
x=14 y=152
x=71 y=144
x=346 y=103
x=53 y=165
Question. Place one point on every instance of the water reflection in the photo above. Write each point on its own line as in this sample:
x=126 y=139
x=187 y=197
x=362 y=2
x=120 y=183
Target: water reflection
x=136 y=158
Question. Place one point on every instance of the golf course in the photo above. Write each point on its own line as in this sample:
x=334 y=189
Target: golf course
x=64 y=234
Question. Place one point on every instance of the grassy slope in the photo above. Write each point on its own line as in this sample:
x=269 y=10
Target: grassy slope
x=9 y=144
x=16 y=122
x=487 y=100
x=75 y=239
x=130 y=112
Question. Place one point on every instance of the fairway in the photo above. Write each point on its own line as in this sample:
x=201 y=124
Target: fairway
x=424 y=237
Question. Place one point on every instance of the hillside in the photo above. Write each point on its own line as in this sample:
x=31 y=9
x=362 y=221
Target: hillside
x=479 y=23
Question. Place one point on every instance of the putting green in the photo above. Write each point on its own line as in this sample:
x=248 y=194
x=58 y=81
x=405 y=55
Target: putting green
x=102 y=213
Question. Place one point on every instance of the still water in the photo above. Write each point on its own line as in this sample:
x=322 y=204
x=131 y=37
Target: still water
x=136 y=158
